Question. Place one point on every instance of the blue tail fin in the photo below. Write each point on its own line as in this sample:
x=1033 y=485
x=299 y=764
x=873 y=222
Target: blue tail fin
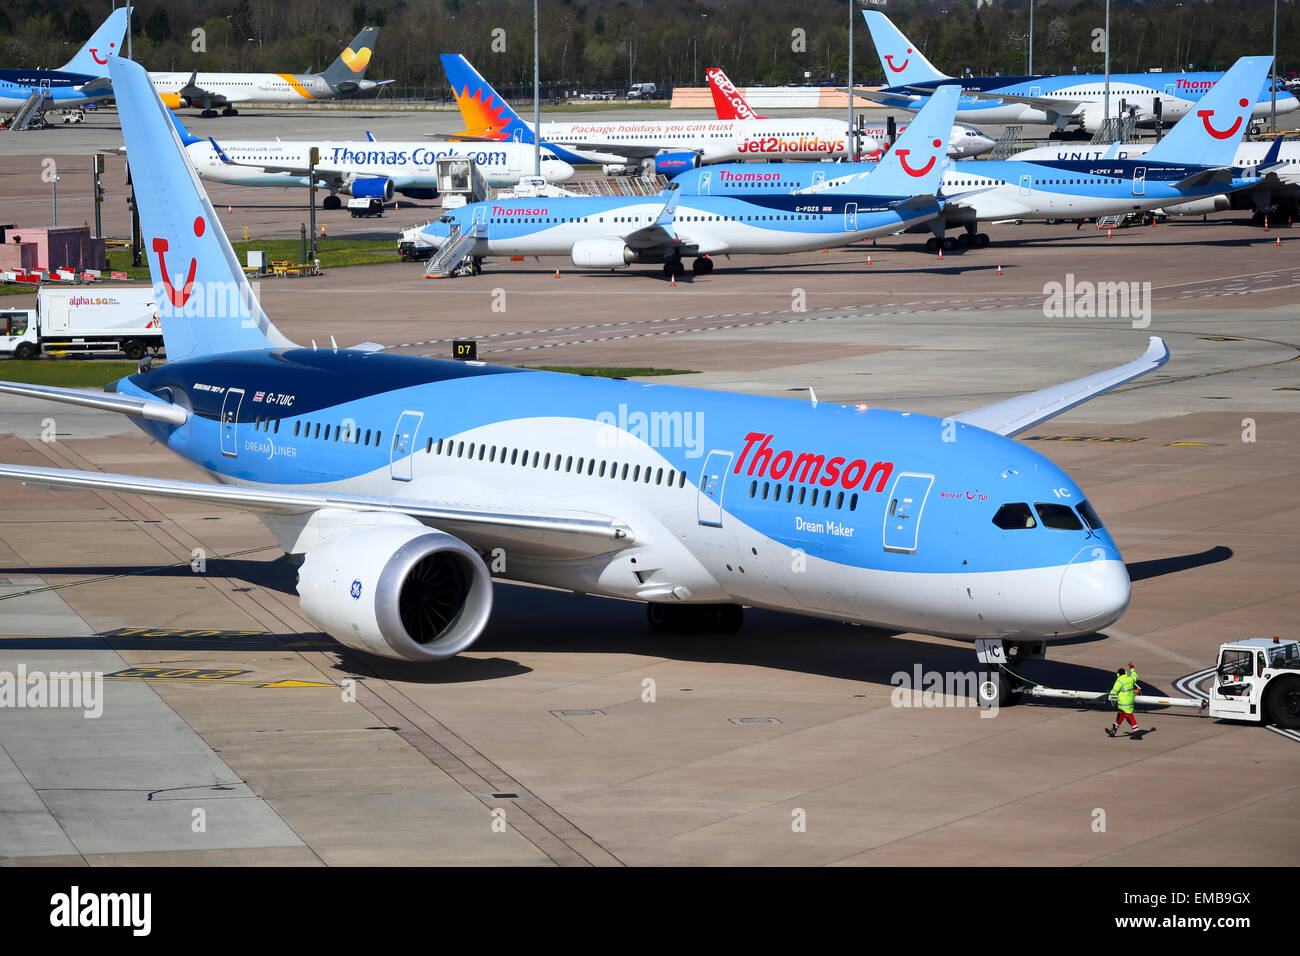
x=104 y=45
x=204 y=300
x=1211 y=131
x=485 y=113
x=901 y=61
x=915 y=164
x=187 y=138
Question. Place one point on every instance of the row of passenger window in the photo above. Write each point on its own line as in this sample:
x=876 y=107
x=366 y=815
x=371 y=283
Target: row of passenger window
x=1017 y=515
x=348 y=434
x=761 y=492
x=547 y=461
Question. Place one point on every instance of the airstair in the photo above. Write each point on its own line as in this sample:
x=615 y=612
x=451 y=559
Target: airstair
x=30 y=111
x=1008 y=143
x=454 y=254
x=1116 y=129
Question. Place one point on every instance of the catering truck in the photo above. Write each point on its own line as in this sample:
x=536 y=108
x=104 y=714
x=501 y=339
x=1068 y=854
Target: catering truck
x=86 y=321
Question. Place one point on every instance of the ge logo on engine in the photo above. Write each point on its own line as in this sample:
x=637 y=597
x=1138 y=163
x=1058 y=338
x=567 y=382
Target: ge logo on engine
x=356 y=590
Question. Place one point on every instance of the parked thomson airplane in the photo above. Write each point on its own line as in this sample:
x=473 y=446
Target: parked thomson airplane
x=1054 y=100
x=391 y=475
x=343 y=78
x=1277 y=195
x=1191 y=165
x=82 y=80
x=608 y=233
x=665 y=147
x=368 y=168
x=729 y=103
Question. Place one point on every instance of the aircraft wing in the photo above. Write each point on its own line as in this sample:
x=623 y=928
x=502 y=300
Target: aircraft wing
x=99 y=85
x=1218 y=175
x=332 y=177
x=192 y=91
x=618 y=149
x=1061 y=106
x=886 y=96
x=556 y=533
x=1015 y=415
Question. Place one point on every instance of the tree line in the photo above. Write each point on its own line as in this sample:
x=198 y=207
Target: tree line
x=588 y=44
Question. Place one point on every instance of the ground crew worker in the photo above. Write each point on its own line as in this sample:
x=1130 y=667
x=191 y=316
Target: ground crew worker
x=1124 y=690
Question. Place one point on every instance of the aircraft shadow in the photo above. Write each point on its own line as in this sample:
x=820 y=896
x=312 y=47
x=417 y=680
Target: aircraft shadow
x=1154 y=568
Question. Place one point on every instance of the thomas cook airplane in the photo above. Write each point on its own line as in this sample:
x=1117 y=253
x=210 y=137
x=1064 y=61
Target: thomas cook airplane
x=344 y=77
x=392 y=475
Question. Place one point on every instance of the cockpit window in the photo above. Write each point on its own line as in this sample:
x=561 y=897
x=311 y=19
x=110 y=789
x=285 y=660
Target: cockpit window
x=1015 y=515
x=1059 y=517
x=1090 y=517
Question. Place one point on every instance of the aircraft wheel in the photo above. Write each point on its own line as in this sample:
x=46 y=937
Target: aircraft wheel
x=932 y=244
x=230 y=111
x=949 y=243
x=964 y=241
x=981 y=240
x=208 y=114
x=331 y=202
x=702 y=266
x=995 y=689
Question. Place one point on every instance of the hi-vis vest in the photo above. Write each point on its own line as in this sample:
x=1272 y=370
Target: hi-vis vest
x=1125 y=685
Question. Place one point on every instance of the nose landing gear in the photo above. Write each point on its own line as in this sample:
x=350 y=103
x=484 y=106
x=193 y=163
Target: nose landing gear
x=997 y=686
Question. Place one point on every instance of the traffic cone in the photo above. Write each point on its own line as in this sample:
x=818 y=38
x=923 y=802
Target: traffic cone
x=672 y=280
x=1107 y=233
x=825 y=250
x=1266 y=223
x=868 y=260
x=1279 y=242
x=557 y=273
x=322 y=230
x=941 y=250
x=229 y=209
x=999 y=268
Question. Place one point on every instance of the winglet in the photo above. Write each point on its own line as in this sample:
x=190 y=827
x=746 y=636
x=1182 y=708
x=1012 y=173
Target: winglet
x=221 y=153
x=370 y=136
x=1023 y=412
x=1269 y=162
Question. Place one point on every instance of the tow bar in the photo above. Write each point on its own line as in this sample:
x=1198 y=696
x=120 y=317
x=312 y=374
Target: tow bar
x=1038 y=690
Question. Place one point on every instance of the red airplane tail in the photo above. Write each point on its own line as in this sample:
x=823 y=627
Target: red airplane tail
x=727 y=100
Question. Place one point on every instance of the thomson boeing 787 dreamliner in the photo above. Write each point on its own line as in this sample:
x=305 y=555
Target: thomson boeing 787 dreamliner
x=393 y=475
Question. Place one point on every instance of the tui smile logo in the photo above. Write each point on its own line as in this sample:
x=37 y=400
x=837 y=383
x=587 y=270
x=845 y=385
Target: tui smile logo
x=1221 y=134
x=94 y=54
x=919 y=171
x=160 y=246
x=889 y=61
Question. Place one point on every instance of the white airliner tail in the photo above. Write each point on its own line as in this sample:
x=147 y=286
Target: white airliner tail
x=1211 y=131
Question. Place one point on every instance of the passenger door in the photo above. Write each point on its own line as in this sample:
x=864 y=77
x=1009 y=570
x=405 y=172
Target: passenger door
x=1026 y=184
x=399 y=462
x=712 y=479
x=851 y=217
x=706 y=181
x=1139 y=181
x=903 y=518
x=234 y=398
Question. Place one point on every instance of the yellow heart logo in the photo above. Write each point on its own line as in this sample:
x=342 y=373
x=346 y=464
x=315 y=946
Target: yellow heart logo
x=356 y=62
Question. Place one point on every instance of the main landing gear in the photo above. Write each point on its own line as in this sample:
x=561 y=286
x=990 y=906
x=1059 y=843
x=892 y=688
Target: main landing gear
x=673 y=268
x=694 y=618
x=970 y=239
x=702 y=266
x=997 y=686
x=331 y=202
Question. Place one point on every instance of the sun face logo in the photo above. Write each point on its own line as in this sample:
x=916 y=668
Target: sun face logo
x=1224 y=134
x=94 y=54
x=481 y=116
x=358 y=61
x=889 y=61
x=160 y=246
x=922 y=170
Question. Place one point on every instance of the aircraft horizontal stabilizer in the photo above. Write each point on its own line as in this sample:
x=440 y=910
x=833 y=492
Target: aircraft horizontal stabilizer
x=1015 y=415
x=1204 y=177
x=135 y=407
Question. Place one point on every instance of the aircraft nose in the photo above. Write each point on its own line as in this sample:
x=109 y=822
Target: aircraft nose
x=1094 y=588
x=557 y=171
x=983 y=144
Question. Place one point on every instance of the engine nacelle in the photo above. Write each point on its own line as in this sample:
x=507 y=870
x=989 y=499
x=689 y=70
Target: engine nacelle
x=378 y=187
x=1200 y=207
x=399 y=590
x=174 y=101
x=670 y=164
x=601 y=254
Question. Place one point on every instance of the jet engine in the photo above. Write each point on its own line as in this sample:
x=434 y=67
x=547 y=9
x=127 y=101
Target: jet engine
x=601 y=253
x=380 y=187
x=670 y=164
x=174 y=101
x=1200 y=207
x=397 y=589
